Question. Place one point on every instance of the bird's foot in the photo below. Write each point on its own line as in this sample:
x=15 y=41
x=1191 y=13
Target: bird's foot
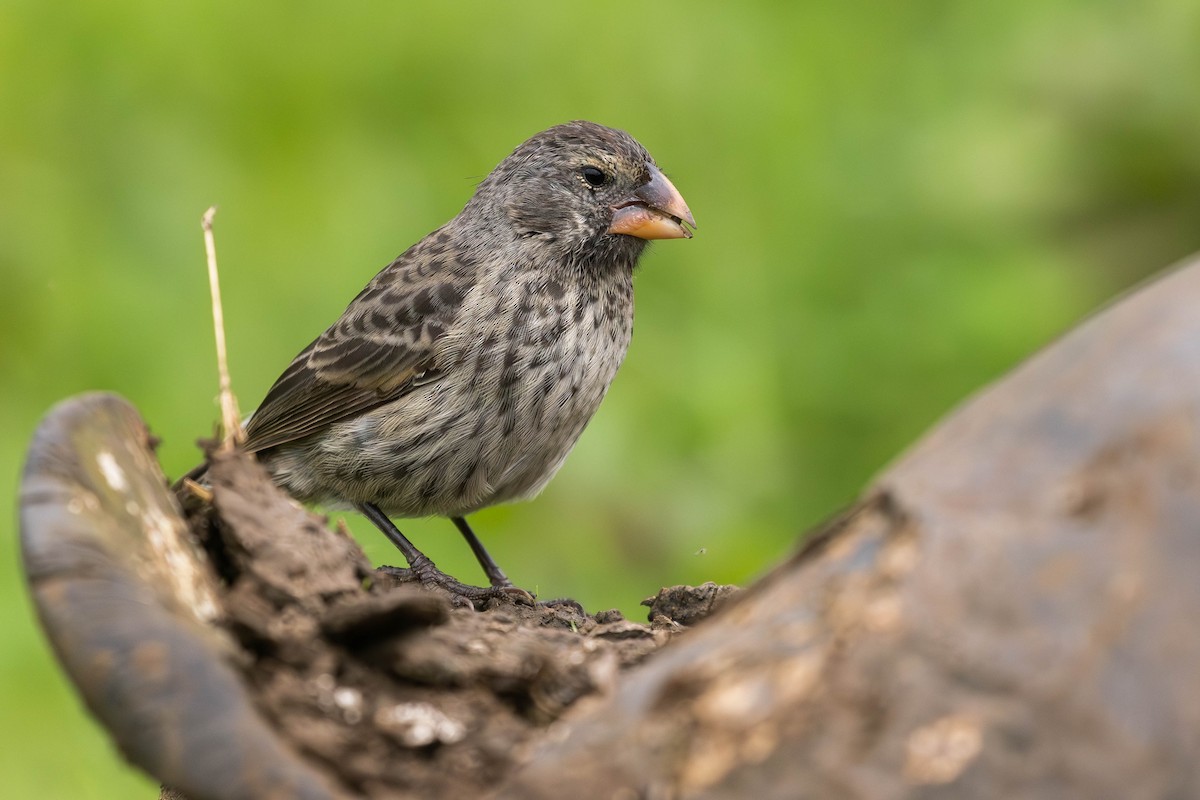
x=461 y=594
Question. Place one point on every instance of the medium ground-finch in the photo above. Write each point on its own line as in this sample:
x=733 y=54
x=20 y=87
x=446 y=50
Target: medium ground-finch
x=465 y=371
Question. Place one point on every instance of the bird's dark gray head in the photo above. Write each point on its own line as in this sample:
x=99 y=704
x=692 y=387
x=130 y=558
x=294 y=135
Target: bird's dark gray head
x=586 y=188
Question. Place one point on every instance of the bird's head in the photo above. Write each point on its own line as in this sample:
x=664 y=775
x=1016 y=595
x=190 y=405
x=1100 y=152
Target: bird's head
x=587 y=188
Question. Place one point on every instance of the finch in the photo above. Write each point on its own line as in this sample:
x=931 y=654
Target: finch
x=465 y=371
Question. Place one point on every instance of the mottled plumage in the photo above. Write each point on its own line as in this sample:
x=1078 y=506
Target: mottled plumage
x=465 y=371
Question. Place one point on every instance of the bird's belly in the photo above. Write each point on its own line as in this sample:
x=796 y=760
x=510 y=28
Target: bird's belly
x=545 y=426
x=539 y=407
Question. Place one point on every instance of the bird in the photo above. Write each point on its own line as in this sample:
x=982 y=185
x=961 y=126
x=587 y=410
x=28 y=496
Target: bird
x=465 y=371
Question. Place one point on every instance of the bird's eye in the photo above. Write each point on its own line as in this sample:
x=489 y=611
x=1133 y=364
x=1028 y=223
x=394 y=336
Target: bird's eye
x=594 y=176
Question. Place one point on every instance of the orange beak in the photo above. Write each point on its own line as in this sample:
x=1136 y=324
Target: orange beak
x=656 y=210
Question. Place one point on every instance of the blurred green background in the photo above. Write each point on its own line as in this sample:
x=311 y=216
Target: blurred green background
x=897 y=202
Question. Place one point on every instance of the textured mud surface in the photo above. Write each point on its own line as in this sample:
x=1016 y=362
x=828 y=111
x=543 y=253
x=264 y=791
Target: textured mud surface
x=390 y=687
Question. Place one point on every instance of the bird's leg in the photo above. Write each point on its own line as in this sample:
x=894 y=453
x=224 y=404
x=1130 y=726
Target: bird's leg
x=490 y=568
x=427 y=572
x=417 y=560
x=496 y=575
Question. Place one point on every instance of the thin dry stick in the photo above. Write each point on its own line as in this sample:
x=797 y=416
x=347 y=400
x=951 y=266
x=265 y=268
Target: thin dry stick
x=230 y=418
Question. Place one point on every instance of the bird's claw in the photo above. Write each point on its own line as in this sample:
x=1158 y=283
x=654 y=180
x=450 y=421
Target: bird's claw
x=461 y=594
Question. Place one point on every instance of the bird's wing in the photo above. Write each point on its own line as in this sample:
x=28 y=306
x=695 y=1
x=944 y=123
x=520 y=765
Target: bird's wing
x=380 y=349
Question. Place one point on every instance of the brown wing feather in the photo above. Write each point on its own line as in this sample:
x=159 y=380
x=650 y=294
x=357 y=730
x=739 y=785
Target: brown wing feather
x=382 y=344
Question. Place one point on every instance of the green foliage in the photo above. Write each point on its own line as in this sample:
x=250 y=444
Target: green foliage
x=897 y=202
